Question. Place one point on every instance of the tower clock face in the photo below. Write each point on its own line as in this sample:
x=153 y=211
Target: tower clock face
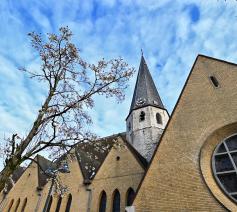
x=140 y=101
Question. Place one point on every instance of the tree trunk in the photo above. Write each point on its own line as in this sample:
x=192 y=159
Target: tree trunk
x=8 y=170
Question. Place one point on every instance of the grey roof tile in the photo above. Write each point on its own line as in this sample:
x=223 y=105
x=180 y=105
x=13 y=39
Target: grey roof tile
x=145 y=92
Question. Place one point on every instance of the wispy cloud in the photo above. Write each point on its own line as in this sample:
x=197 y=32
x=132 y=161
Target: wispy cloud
x=171 y=34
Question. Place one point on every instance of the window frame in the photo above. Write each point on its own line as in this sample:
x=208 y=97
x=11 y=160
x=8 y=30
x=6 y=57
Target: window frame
x=234 y=171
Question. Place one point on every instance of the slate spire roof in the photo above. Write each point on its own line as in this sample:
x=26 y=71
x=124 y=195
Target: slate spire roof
x=145 y=92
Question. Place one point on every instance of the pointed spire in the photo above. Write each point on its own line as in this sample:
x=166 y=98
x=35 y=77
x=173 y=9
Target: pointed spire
x=145 y=92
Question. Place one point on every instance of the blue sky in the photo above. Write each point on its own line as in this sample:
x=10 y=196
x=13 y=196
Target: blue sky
x=171 y=34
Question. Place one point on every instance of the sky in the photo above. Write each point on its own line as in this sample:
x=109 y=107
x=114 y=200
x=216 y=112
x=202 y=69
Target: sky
x=171 y=33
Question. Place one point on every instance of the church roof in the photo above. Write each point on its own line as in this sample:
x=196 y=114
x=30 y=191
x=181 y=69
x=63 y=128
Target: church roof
x=91 y=155
x=145 y=92
x=43 y=165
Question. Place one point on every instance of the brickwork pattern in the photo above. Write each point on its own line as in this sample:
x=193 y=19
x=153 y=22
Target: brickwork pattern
x=115 y=173
x=174 y=181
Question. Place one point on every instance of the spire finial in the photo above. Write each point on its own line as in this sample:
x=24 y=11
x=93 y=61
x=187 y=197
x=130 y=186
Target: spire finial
x=142 y=52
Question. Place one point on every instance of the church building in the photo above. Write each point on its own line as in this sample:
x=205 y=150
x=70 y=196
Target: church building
x=185 y=162
x=97 y=176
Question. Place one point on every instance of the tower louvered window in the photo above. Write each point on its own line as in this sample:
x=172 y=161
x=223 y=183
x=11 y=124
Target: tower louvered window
x=130 y=197
x=224 y=166
x=142 y=116
x=103 y=200
x=116 y=201
x=158 y=118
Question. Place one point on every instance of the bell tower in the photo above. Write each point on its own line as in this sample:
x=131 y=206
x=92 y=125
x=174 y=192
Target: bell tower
x=147 y=117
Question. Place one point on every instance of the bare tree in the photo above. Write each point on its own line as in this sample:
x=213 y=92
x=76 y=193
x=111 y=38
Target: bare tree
x=71 y=85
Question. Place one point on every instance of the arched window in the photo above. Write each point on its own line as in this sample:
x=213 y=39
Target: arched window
x=17 y=204
x=69 y=202
x=58 y=204
x=116 y=201
x=142 y=116
x=224 y=161
x=130 y=197
x=103 y=200
x=49 y=204
x=10 y=205
x=24 y=205
x=158 y=118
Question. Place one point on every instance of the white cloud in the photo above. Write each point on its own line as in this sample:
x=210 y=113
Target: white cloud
x=164 y=29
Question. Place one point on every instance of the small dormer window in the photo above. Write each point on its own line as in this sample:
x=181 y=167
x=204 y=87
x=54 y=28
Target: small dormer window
x=158 y=118
x=142 y=116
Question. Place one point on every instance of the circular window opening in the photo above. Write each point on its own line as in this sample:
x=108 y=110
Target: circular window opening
x=224 y=165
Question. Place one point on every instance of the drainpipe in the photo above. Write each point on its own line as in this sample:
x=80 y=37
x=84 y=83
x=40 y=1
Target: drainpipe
x=39 y=200
x=89 y=199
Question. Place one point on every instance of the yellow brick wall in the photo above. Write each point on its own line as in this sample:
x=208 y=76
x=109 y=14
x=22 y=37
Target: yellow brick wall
x=26 y=188
x=113 y=174
x=174 y=181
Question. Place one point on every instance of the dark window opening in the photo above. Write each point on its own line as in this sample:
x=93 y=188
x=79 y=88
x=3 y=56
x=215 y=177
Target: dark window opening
x=58 y=204
x=117 y=158
x=69 y=202
x=158 y=118
x=142 y=116
x=103 y=200
x=17 y=204
x=130 y=197
x=116 y=201
x=49 y=204
x=24 y=205
x=10 y=205
x=214 y=81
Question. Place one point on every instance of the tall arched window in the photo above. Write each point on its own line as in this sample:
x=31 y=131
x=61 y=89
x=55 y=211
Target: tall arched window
x=158 y=118
x=103 y=200
x=116 y=201
x=142 y=116
x=69 y=202
x=10 y=205
x=17 y=204
x=130 y=196
x=58 y=204
x=24 y=205
x=49 y=204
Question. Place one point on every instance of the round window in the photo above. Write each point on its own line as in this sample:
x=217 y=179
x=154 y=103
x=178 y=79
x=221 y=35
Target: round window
x=224 y=165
